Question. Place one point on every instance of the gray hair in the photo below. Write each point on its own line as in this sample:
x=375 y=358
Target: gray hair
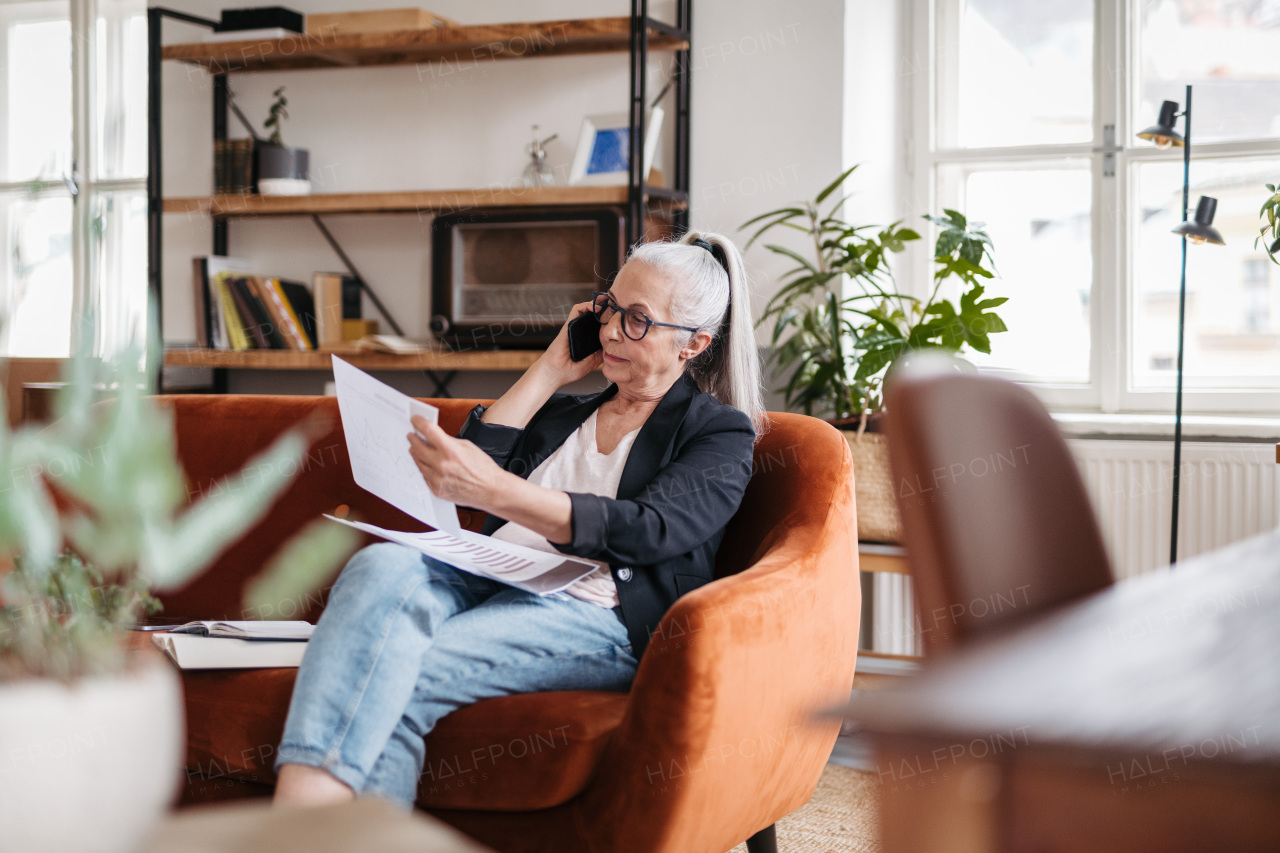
x=729 y=368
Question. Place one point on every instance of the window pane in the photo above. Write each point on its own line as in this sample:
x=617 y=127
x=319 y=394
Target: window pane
x=35 y=279
x=1233 y=291
x=1023 y=73
x=37 y=73
x=120 y=89
x=120 y=269
x=1226 y=49
x=1039 y=221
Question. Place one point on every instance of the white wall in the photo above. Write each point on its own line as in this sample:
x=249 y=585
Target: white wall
x=767 y=129
x=874 y=121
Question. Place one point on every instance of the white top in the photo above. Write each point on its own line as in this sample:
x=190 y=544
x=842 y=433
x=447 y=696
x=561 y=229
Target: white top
x=578 y=466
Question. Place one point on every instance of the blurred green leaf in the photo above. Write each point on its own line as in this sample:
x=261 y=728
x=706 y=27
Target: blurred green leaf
x=120 y=492
x=302 y=565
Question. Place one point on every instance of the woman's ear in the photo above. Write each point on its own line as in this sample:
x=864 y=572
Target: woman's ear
x=696 y=344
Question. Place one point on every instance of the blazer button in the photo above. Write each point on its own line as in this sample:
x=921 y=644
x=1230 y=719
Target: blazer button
x=624 y=574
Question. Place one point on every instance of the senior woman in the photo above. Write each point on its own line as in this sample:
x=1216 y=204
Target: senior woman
x=640 y=479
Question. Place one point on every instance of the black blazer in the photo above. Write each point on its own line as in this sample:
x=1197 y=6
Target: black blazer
x=682 y=482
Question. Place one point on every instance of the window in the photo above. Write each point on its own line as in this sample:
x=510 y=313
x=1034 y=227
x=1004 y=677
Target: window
x=72 y=174
x=1026 y=120
x=1257 y=288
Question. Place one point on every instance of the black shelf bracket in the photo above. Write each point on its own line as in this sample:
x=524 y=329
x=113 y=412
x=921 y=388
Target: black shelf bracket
x=351 y=268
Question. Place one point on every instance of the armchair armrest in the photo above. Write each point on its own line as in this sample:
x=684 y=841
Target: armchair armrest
x=721 y=729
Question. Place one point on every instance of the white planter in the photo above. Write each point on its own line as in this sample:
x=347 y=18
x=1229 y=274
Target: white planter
x=90 y=766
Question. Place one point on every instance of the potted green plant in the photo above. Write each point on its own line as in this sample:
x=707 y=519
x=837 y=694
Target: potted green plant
x=279 y=169
x=838 y=322
x=93 y=517
x=1269 y=234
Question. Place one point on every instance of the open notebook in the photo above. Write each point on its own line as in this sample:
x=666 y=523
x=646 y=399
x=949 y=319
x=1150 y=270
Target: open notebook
x=190 y=651
x=235 y=645
x=249 y=630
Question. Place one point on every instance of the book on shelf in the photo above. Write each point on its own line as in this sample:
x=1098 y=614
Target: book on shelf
x=235 y=334
x=299 y=300
x=221 y=155
x=255 y=325
x=190 y=651
x=358 y=330
x=271 y=328
x=257 y=35
x=332 y=294
x=211 y=329
x=201 y=298
x=232 y=166
x=274 y=322
x=272 y=294
x=238 y=310
x=240 y=179
x=394 y=344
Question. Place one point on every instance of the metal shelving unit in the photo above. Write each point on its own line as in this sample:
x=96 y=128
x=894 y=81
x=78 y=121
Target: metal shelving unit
x=638 y=35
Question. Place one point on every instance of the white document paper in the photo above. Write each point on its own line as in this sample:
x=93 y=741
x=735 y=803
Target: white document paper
x=526 y=568
x=375 y=418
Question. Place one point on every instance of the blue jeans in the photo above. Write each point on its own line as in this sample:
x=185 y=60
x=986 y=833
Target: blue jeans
x=406 y=640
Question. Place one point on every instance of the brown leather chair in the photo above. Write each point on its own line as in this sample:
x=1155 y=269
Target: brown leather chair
x=996 y=521
x=715 y=740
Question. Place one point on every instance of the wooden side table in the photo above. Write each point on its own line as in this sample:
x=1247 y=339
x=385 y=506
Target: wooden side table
x=366 y=823
x=1144 y=718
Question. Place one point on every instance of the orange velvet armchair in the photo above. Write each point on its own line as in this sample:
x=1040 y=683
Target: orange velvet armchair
x=714 y=742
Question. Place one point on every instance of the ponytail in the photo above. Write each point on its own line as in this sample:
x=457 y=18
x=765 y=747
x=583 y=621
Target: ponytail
x=714 y=298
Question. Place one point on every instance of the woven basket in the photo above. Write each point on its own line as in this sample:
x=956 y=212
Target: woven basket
x=878 y=519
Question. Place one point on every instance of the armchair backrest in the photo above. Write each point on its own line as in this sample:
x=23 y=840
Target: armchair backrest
x=796 y=462
x=797 y=465
x=217 y=434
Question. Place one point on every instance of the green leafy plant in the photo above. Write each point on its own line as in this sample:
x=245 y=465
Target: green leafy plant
x=276 y=117
x=837 y=348
x=1270 y=216
x=63 y=621
x=94 y=515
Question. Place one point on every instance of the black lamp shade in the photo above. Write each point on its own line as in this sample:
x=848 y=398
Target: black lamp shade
x=1201 y=230
x=1162 y=132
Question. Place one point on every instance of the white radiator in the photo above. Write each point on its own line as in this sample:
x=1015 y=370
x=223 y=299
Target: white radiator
x=1228 y=492
x=894 y=628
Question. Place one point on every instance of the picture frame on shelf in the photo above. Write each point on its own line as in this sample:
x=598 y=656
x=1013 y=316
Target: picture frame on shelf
x=602 y=155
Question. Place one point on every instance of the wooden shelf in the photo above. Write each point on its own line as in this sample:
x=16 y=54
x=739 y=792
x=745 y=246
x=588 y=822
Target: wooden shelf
x=875 y=557
x=313 y=360
x=462 y=46
x=421 y=201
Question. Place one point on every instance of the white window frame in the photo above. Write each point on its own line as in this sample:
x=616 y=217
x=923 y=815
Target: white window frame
x=87 y=294
x=1116 y=36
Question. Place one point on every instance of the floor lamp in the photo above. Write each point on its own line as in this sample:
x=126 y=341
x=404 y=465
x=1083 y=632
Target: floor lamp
x=1201 y=230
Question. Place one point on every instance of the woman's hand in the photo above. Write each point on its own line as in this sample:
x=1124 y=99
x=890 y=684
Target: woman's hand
x=454 y=468
x=556 y=361
x=553 y=370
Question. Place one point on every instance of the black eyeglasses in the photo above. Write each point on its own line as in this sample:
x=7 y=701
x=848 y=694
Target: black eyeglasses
x=635 y=324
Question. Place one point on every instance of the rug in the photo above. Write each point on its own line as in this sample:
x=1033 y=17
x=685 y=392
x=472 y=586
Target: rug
x=842 y=816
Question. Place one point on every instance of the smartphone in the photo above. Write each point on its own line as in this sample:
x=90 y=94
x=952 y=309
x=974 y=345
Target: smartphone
x=584 y=337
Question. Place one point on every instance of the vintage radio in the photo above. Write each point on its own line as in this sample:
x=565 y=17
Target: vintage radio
x=508 y=277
